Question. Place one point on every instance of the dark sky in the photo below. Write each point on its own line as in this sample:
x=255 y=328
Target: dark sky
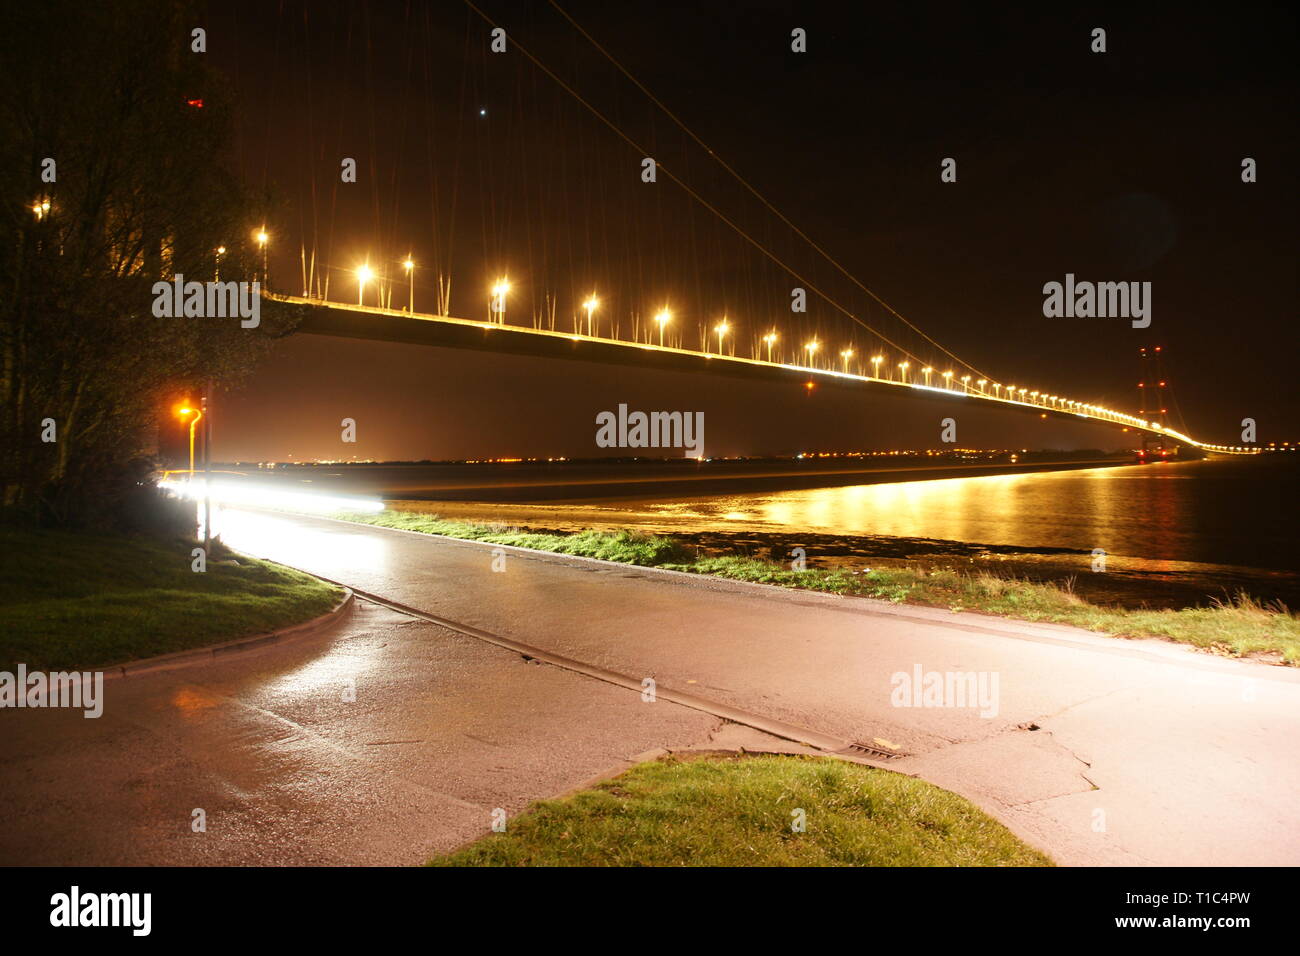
x=1122 y=166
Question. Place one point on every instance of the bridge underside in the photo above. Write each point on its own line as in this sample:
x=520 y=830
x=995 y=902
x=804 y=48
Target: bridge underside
x=338 y=320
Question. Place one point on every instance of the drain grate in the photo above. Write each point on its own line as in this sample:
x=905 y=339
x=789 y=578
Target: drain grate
x=867 y=750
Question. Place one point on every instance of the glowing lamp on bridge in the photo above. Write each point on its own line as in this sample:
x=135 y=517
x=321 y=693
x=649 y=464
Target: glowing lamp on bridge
x=770 y=339
x=846 y=354
x=722 y=328
x=812 y=348
x=497 y=305
x=590 y=305
x=409 y=265
x=927 y=372
x=364 y=275
x=947 y=379
x=902 y=371
x=965 y=380
x=662 y=317
x=41 y=208
x=875 y=366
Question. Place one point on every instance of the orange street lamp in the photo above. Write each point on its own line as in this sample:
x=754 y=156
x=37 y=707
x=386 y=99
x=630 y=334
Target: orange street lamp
x=262 y=240
x=498 y=302
x=364 y=275
x=721 y=328
x=183 y=411
x=409 y=266
x=663 y=317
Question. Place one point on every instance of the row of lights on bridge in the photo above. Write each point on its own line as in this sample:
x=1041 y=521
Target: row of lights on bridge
x=500 y=289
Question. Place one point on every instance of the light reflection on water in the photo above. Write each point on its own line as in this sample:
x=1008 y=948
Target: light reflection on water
x=1215 y=512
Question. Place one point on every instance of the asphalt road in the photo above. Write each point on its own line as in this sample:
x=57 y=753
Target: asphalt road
x=1148 y=752
x=1144 y=752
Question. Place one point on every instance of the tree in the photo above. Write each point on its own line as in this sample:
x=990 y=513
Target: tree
x=138 y=128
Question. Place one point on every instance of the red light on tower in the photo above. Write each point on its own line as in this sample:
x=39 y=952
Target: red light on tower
x=197 y=103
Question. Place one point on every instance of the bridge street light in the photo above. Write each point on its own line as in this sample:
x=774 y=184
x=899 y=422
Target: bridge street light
x=721 y=328
x=409 y=266
x=927 y=372
x=770 y=338
x=662 y=318
x=812 y=348
x=497 y=304
x=902 y=371
x=590 y=305
x=965 y=382
x=846 y=354
x=364 y=275
x=875 y=366
x=947 y=379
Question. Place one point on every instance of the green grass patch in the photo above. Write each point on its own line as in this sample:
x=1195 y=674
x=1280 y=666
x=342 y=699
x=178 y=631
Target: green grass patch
x=72 y=601
x=740 y=811
x=1240 y=627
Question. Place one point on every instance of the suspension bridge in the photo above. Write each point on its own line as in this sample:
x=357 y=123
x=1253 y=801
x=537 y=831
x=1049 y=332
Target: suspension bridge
x=771 y=359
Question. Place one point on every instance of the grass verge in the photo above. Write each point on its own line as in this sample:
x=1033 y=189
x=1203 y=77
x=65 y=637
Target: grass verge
x=1240 y=628
x=71 y=601
x=741 y=811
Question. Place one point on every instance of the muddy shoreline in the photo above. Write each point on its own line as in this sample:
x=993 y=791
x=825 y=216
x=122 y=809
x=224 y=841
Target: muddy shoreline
x=1124 y=582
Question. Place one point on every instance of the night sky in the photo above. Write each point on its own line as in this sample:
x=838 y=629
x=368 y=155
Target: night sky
x=1122 y=166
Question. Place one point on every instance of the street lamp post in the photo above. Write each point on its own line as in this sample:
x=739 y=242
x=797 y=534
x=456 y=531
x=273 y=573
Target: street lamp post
x=183 y=411
x=590 y=305
x=262 y=240
x=769 y=339
x=409 y=266
x=497 y=303
x=927 y=372
x=662 y=318
x=721 y=328
x=812 y=348
x=207 y=467
x=875 y=366
x=364 y=275
x=902 y=371
x=846 y=354
x=221 y=251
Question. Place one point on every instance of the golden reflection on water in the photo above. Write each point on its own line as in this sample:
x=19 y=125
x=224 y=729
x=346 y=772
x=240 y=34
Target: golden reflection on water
x=1074 y=509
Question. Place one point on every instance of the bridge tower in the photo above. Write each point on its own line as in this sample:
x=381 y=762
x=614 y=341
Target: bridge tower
x=1151 y=400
